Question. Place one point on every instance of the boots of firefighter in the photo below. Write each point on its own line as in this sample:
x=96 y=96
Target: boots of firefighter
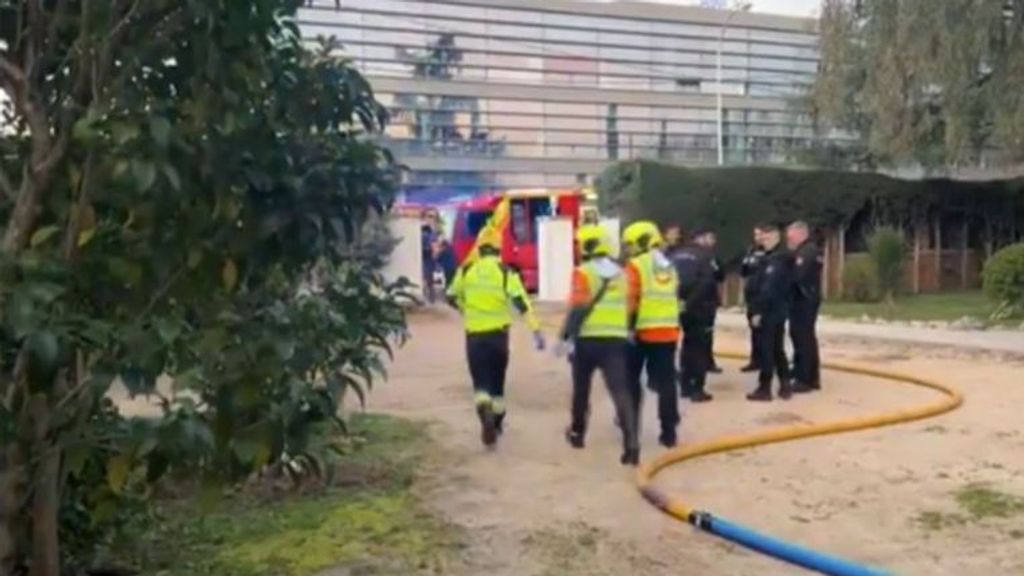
x=699 y=394
x=801 y=388
x=488 y=421
x=574 y=438
x=786 y=389
x=751 y=367
x=667 y=438
x=630 y=457
x=498 y=405
x=762 y=394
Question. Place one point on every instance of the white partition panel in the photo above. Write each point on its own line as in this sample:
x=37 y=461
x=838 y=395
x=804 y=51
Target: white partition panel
x=554 y=259
x=407 y=258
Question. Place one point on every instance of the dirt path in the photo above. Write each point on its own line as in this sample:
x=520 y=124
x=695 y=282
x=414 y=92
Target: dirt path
x=535 y=507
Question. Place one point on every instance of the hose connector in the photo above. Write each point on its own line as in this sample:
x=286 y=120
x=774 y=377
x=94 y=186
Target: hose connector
x=701 y=520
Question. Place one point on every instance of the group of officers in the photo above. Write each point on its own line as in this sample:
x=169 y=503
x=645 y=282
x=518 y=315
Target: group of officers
x=627 y=316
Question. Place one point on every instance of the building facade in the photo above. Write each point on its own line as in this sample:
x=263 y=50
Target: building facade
x=542 y=93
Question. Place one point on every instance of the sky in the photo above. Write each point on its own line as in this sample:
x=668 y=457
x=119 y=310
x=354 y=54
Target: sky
x=787 y=7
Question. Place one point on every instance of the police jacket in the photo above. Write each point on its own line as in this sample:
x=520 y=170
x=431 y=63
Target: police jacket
x=698 y=279
x=749 y=270
x=807 y=264
x=774 y=281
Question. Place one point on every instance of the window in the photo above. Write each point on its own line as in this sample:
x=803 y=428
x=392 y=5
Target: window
x=475 y=222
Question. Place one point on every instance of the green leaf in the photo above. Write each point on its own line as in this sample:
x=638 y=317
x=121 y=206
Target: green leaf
x=229 y=275
x=43 y=234
x=124 y=132
x=118 y=469
x=127 y=272
x=160 y=129
x=84 y=131
x=144 y=173
x=44 y=348
x=85 y=236
x=195 y=256
x=168 y=329
x=21 y=314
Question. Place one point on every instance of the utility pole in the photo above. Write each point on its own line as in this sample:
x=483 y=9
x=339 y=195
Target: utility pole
x=740 y=6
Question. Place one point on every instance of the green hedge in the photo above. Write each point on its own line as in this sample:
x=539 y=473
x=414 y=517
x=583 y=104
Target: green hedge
x=1003 y=278
x=733 y=200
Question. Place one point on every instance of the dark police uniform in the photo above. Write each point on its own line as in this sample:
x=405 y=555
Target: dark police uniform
x=770 y=306
x=749 y=270
x=698 y=290
x=719 y=281
x=803 y=316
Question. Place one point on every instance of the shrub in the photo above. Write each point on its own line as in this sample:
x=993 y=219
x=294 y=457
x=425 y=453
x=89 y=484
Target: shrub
x=1003 y=279
x=860 y=281
x=888 y=250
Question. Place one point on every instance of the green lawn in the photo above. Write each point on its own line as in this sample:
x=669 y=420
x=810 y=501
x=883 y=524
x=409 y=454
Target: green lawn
x=368 y=520
x=944 y=307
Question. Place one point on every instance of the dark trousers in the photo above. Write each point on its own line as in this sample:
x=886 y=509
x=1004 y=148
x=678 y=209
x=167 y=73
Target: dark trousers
x=803 y=320
x=695 y=358
x=771 y=358
x=607 y=355
x=711 y=341
x=755 y=336
x=488 y=362
x=659 y=360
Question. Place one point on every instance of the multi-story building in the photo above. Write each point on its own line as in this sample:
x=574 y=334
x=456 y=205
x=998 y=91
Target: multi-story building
x=532 y=93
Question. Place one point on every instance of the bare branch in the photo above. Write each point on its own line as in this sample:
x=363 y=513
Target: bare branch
x=5 y=185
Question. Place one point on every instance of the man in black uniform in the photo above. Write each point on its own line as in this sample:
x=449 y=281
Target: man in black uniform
x=769 y=310
x=698 y=292
x=710 y=242
x=749 y=270
x=803 y=313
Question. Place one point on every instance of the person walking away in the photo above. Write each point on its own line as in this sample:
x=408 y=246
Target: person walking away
x=484 y=290
x=654 y=322
x=770 y=308
x=596 y=330
x=806 y=303
x=750 y=269
x=698 y=294
x=446 y=260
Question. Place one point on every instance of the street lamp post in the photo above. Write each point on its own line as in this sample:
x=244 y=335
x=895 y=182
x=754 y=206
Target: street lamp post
x=741 y=6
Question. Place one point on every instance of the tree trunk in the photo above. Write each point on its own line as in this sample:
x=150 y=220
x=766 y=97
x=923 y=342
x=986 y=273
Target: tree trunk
x=11 y=493
x=45 y=494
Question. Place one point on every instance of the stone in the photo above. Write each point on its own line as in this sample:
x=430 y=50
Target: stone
x=967 y=324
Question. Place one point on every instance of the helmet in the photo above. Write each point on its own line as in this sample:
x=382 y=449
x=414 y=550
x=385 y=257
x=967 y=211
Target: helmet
x=639 y=237
x=489 y=237
x=593 y=241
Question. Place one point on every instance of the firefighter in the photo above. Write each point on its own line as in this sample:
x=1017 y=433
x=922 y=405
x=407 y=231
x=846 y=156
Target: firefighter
x=596 y=331
x=483 y=290
x=698 y=291
x=654 y=324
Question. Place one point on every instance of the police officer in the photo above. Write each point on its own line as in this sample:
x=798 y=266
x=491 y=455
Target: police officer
x=654 y=322
x=596 y=331
x=803 y=313
x=698 y=293
x=711 y=242
x=483 y=290
x=769 y=310
x=749 y=270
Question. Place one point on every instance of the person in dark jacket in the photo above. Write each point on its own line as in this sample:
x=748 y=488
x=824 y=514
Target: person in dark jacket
x=750 y=269
x=769 y=311
x=698 y=291
x=711 y=242
x=804 y=307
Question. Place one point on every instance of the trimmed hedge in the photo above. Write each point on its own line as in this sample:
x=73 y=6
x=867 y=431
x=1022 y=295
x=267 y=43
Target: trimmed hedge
x=733 y=200
x=1003 y=278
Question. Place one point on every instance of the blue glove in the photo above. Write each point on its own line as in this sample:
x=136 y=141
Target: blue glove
x=538 y=341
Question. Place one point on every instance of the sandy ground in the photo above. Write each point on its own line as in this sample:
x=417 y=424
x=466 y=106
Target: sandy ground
x=536 y=507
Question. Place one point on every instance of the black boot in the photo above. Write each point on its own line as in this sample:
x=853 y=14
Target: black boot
x=750 y=368
x=762 y=394
x=667 y=439
x=801 y=388
x=499 y=423
x=488 y=427
x=715 y=369
x=630 y=457
x=699 y=396
x=786 y=390
x=575 y=439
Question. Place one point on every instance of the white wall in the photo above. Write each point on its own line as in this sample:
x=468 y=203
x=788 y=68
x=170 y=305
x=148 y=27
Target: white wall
x=554 y=259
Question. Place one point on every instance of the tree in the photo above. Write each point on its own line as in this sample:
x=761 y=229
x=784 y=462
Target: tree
x=184 y=187
x=935 y=84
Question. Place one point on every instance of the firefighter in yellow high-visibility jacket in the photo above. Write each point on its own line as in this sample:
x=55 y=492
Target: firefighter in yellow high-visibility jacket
x=484 y=291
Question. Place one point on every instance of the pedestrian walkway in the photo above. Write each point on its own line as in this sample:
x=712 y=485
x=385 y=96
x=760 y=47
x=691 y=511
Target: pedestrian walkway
x=1000 y=341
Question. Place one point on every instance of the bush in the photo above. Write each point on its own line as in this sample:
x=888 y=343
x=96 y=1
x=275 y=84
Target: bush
x=888 y=250
x=1003 y=279
x=860 y=280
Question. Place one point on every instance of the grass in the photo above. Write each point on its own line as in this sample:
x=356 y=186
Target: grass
x=367 y=521
x=977 y=503
x=944 y=307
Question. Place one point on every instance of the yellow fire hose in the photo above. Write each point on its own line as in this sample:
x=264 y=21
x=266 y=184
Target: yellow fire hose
x=679 y=509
